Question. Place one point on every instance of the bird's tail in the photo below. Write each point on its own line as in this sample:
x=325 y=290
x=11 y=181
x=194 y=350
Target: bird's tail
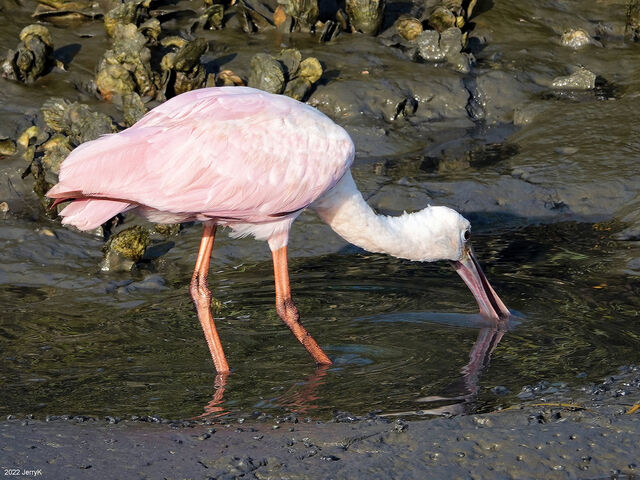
x=90 y=213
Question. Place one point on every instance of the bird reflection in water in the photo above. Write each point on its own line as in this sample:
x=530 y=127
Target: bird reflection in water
x=302 y=397
x=479 y=357
x=215 y=407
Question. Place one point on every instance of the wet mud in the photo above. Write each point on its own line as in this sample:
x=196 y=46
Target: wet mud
x=588 y=432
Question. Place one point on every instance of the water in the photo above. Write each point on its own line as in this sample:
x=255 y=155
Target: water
x=397 y=331
x=549 y=202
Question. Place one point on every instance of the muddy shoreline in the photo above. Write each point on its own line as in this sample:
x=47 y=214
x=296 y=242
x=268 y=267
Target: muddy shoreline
x=588 y=433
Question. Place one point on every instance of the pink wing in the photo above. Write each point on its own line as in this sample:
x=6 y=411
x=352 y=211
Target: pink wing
x=230 y=152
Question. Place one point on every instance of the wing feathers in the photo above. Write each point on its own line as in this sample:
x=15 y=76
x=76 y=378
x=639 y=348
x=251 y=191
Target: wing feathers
x=226 y=152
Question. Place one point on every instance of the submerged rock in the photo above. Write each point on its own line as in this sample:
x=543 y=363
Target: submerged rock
x=575 y=38
x=446 y=46
x=125 y=249
x=32 y=57
x=581 y=79
x=365 y=15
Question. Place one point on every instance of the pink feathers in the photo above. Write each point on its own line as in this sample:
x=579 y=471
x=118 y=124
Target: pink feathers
x=233 y=154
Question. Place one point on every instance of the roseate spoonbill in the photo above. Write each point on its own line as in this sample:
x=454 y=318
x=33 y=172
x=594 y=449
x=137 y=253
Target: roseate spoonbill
x=251 y=161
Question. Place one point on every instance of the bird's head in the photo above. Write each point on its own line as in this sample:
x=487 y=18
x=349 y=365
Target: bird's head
x=441 y=233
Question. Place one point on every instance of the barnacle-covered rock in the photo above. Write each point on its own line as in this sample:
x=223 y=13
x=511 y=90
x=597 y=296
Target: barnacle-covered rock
x=64 y=12
x=298 y=88
x=7 y=146
x=409 y=27
x=131 y=11
x=365 y=15
x=441 y=19
x=446 y=46
x=151 y=29
x=311 y=69
x=226 y=78
x=55 y=150
x=267 y=73
x=290 y=58
x=127 y=64
x=133 y=108
x=581 y=79
x=213 y=17
x=183 y=69
x=304 y=12
x=633 y=19
x=575 y=38
x=76 y=120
x=125 y=249
x=32 y=58
x=254 y=16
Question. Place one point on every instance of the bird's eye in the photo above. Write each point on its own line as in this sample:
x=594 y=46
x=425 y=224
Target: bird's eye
x=467 y=235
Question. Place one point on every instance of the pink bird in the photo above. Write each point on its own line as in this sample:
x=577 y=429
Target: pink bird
x=252 y=161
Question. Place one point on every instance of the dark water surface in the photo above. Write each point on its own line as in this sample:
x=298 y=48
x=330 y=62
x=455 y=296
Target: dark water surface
x=554 y=202
x=74 y=342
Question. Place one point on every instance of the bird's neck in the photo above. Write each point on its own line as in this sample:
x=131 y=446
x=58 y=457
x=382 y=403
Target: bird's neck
x=349 y=215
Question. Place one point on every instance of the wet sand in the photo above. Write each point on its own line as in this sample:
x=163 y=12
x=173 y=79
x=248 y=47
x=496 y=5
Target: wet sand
x=585 y=433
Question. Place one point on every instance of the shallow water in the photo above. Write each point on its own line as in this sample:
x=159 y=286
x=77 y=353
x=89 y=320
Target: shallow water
x=75 y=342
x=548 y=202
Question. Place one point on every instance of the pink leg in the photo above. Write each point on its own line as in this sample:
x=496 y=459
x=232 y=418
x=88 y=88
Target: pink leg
x=202 y=298
x=287 y=310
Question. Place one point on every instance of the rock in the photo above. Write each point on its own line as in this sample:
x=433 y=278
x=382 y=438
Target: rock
x=290 y=59
x=125 y=13
x=151 y=29
x=65 y=12
x=126 y=67
x=228 y=78
x=125 y=249
x=133 y=108
x=254 y=16
x=76 y=120
x=267 y=74
x=7 y=146
x=575 y=38
x=56 y=150
x=311 y=69
x=441 y=19
x=33 y=56
x=429 y=46
x=298 y=88
x=183 y=69
x=409 y=27
x=213 y=17
x=365 y=15
x=304 y=12
x=581 y=79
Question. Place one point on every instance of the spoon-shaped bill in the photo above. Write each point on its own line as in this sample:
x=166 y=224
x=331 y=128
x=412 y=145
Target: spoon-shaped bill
x=468 y=268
